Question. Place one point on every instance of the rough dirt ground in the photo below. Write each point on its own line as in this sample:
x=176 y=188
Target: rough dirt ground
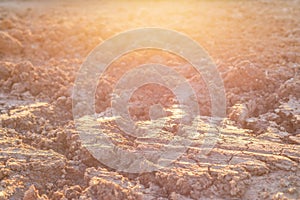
x=256 y=46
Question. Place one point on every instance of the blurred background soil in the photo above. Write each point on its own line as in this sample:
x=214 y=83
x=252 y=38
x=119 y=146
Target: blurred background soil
x=255 y=45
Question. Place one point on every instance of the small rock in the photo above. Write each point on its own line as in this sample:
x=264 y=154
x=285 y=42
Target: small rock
x=292 y=190
x=239 y=113
x=18 y=88
x=61 y=100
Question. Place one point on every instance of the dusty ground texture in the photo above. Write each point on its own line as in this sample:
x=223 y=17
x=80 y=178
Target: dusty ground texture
x=256 y=46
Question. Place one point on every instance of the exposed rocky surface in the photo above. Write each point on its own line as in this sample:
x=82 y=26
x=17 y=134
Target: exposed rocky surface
x=256 y=47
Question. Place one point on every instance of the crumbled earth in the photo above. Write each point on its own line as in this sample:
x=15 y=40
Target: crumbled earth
x=256 y=47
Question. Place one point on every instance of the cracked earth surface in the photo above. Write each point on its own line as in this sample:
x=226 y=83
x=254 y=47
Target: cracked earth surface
x=256 y=47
